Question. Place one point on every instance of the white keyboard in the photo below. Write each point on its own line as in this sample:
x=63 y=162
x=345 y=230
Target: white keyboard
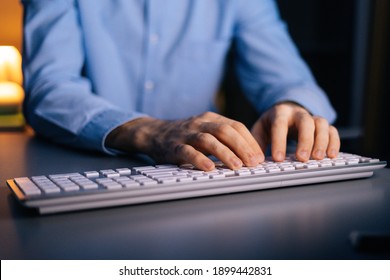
x=125 y=186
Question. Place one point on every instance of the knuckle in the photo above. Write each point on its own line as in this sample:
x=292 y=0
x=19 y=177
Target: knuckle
x=280 y=122
x=202 y=137
x=285 y=107
x=222 y=129
x=333 y=130
x=238 y=126
x=208 y=115
x=320 y=121
x=192 y=122
x=180 y=149
x=303 y=114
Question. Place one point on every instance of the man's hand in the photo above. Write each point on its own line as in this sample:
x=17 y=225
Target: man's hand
x=189 y=141
x=316 y=138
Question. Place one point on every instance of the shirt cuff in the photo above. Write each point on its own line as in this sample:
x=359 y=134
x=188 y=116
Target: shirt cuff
x=94 y=134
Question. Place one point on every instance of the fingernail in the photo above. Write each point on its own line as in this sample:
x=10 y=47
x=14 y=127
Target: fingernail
x=304 y=154
x=237 y=163
x=254 y=160
x=208 y=164
x=319 y=154
x=279 y=156
x=332 y=153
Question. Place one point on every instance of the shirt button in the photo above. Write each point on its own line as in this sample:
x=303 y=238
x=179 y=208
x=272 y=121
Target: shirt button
x=153 y=38
x=149 y=85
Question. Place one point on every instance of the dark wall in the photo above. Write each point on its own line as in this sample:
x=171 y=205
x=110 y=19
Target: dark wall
x=323 y=31
x=346 y=45
x=376 y=138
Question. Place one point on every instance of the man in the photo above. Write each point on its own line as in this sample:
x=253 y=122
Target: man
x=140 y=76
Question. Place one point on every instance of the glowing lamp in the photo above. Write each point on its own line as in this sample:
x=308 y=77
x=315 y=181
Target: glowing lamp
x=11 y=97
x=10 y=65
x=11 y=91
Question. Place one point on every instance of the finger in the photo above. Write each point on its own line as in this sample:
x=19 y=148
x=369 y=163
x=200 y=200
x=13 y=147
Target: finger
x=235 y=141
x=240 y=127
x=209 y=144
x=334 y=142
x=249 y=150
x=245 y=133
x=187 y=154
x=279 y=130
x=260 y=133
x=305 y=127
x=321 y=138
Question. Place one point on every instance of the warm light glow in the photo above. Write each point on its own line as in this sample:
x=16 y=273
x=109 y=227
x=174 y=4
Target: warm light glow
x=11 y=91
x=10 y=65
x=11 y=97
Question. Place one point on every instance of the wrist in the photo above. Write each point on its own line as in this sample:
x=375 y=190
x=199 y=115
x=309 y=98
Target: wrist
x=133 y=136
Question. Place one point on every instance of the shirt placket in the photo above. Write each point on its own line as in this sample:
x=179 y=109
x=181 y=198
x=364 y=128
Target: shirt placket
x=152 y=39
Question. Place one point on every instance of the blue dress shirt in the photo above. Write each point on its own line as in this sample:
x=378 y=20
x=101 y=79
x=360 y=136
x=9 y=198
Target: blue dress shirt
x=92 y=65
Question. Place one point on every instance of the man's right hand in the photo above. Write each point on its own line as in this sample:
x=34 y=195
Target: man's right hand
x=189 y=141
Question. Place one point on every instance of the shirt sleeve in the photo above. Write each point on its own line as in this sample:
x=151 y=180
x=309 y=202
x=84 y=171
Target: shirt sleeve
x=270 y=67
x=60 y=103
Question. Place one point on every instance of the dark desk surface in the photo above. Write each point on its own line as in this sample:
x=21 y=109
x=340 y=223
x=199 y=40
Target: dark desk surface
x=307 y=222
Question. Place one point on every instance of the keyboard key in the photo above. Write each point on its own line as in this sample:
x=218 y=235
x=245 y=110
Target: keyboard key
x=91 y=174
x=326 y=163
x=109 y=173
x=148 y=183
x=243 y=172
x=200 y=177
x=185 y=179
x=123 y=171
x=104 y=180
x=217 y=176
x=51 y=190
x=273 y=170
x=167 y=180
x=227 y=172
x=68 y=186
x=338 y=162
x=287 y=168
x=130 y=184
x=257 y=171
x=352 y=161
x=112 y=186
x=27 y=186
x=312 y=165
x=161 y=166
x=142 y=168
x=63 y=176
x=299 y=165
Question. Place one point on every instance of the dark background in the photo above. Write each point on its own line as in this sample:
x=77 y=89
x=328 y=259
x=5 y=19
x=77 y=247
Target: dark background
x=346 y=45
